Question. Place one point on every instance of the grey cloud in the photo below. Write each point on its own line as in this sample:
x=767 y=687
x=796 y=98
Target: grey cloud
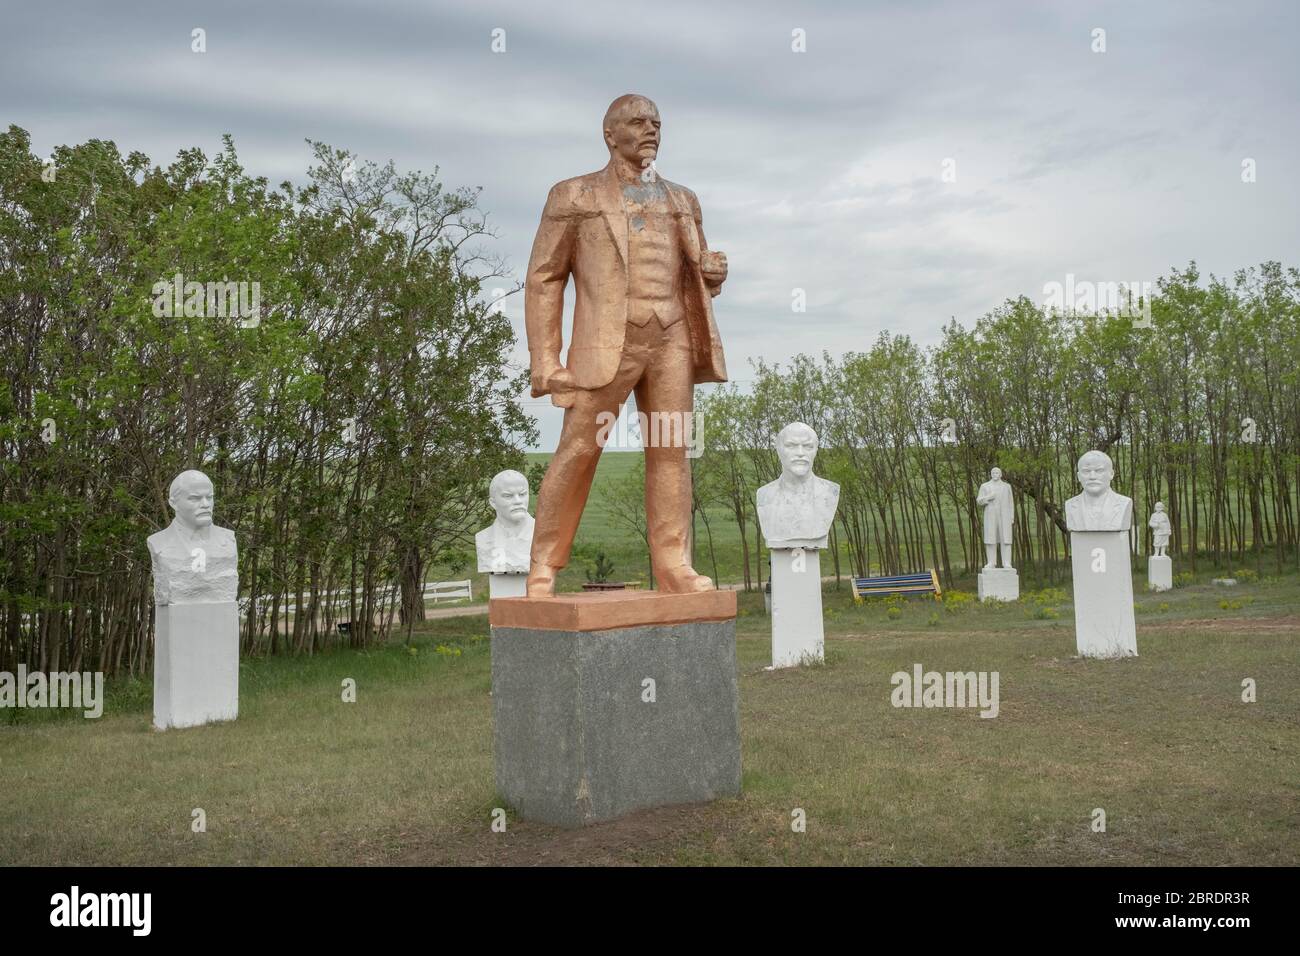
x=816 y=170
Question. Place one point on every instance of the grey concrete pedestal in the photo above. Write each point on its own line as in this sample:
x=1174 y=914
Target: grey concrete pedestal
x=589 y=725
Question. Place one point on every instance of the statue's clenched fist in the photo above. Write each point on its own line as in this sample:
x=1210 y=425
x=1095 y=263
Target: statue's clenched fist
x=552 y=378
x=713 y=265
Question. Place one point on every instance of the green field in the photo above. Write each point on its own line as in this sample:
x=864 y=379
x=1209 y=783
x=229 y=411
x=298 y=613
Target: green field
x=1186 y=772
x=599 y=531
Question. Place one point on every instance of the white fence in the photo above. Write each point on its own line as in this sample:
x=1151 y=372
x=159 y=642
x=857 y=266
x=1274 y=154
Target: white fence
x=434 y=591
x=449 y=591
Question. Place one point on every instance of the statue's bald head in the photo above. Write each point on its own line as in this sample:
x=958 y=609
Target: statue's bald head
x=796 y=446
x=191 y=497
x=508 y=494
x=631 y=128
x=1096 y=471
x=186 y=479
x=621 y=106
x=1096 y=459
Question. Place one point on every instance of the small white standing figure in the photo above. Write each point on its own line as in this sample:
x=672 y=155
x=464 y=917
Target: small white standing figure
x=994 y=497
x=1159 y=525
x=1160 y=567
x=997 y=583
x=504 y=546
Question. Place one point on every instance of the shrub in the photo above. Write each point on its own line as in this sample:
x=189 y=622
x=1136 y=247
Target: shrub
x=1047 y=596
x=599 y=572
x=954 y=601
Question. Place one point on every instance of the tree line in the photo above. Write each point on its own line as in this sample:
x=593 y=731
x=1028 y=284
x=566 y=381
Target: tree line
x=1198 y=405
x=352 y=424
x=349 y=427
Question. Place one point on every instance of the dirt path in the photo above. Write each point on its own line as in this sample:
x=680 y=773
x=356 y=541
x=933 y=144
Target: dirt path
x=1232 y=625
x=465 y=610
x=618 y=842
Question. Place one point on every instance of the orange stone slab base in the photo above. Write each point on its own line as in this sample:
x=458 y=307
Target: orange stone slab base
x=607 y=610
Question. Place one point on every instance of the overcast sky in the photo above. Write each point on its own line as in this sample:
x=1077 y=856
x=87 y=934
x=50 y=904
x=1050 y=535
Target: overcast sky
x=819 y=170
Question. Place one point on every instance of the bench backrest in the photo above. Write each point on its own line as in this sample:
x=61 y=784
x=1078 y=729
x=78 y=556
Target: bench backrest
x=921 y=583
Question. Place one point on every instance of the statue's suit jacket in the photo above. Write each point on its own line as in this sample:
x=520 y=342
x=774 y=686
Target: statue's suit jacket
x=175 y=581
x=1116 y=513
x=584 y=234
x=999 y=514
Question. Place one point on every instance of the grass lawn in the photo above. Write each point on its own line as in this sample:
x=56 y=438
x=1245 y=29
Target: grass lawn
x=1186 y=772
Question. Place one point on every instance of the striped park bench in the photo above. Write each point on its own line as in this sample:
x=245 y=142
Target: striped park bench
x=925 y=582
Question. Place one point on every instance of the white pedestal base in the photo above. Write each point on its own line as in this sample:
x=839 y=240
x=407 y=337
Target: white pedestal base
x=196 y=664
x=1160 y=572
x=798 y=636
x=1103 y=598
x=998 y=584
x=507 y=585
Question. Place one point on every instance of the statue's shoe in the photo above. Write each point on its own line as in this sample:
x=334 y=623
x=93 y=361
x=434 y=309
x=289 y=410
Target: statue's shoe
x=541 y=580
x=682 y=580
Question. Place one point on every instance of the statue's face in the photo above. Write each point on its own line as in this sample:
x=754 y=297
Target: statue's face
x=1095 y=474
x=510 y=500
x=797 y=450
x=634 y=133
x=193 y=503
x=996 y=474
x=1160 y=506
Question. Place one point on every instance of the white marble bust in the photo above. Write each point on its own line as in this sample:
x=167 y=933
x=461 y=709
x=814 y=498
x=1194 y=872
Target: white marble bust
x=194 y=561
x=1159 y=525
x=797 y=509
x=504 y=545
x=1098 y=508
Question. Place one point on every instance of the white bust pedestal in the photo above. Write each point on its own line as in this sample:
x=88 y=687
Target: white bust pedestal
x=1160 y=572
x=998 y=584
x=1103 y=594
x=798 y=636
x=196 y=664
x=509 y=584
